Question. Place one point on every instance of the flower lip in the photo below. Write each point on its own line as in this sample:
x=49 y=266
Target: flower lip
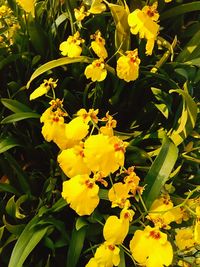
x=111 y=247
x=89 y=184
x=155 y=235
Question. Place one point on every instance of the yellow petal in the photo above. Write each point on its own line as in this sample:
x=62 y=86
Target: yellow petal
x=81 y=193
x=115 y=230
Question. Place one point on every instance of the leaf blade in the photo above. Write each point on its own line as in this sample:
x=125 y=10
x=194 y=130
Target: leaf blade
x=160 y=171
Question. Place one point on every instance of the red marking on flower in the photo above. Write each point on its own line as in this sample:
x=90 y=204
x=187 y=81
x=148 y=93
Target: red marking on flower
x=151 y=13
x=132 y=60
x=89 y=184
x=119 y=147
x=155 y=235
x=56 y=119
x=98 y=64
x=111 y=247
x=81 y=153
x=126 y=215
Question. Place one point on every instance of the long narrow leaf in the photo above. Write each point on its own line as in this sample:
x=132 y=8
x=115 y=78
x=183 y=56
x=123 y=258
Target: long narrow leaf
x=8 y=143
x=188 y=117
x=76 y=245
x=22 y=178
x=180 y=10
x=122 y=33
x=191 y=50
x=159 y=171
x=27 y=241
x=56 y=63
x=20 y=116
x=15 y=105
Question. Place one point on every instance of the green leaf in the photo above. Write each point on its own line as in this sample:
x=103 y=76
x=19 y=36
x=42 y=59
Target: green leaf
x=191 y=50
x=122 y=258
x=8 y=188
x=8 y=143
x=163 y=109
x=122 y=33
x=159 y=171
x=81 y=222
x=15 y=105
x=59 y=205
x=38 y=36
x=187 y=120
x=27 y=241
x=1 y=231
x=194 y=62
x=180 y=10
x=14 y=229
x=11 y=207
x=22 y=179
x=103 y=194
x=18 y=203
x=75 y=247
x=20 y=116
x=9 y=59
x=57 y=63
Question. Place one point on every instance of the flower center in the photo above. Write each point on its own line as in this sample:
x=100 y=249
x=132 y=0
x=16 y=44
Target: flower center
x=89 y=184
x=155 y=235
x=111 y=247
x=56 y=119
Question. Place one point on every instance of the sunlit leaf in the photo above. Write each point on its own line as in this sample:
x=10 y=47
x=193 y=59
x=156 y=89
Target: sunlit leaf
x=122 y=33
x=159 y=171
x=20 y=116
x=187 y=120
x=191 y=50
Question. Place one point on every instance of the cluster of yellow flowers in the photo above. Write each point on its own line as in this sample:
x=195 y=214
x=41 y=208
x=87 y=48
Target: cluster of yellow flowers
x=142 y=22
x=91 y=156
x=8 y=26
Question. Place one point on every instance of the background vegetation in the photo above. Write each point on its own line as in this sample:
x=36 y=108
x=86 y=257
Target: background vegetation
x=159 y=109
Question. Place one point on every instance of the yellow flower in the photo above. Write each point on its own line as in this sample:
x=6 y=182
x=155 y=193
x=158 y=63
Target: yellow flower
x=118 y=195
x=162 y=212
x=144 y=22
x=96 y=71
x=98 y=45
x=92 y=263
x=80 y=13
x=71 y=47
x=106 y=255
x=71 y=161
x=97 y=7
x=43 y=88
x=128 y=66
x=110 y=124
x=197 y=226
x=185 y=238
x=54 y=127
x=100 y=154
x=81 y=193
x=132 y=180
x=91 y=115
x=5 y=11
x=184 y=263
x=76 y=129
x=27 y=5
x=115 y=230
x=167 y=1
x=151 y=248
